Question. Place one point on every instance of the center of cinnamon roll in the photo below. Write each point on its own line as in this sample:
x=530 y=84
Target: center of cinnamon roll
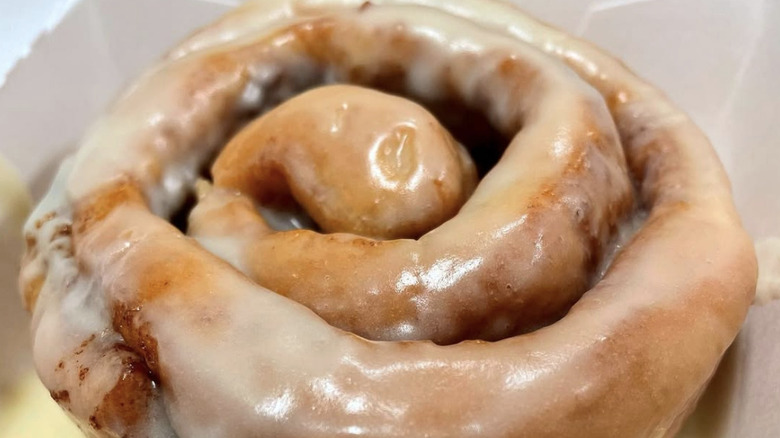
x=374 y=170
x=357 y=160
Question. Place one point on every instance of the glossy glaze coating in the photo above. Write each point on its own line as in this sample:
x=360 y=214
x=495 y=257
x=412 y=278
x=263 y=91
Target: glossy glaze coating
x=179 y=327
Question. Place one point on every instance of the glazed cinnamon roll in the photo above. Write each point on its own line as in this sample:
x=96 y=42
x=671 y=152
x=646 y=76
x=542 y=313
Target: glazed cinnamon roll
x=387 y=218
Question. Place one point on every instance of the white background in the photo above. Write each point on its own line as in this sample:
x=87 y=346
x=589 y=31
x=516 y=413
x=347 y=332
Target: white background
x=20 y=23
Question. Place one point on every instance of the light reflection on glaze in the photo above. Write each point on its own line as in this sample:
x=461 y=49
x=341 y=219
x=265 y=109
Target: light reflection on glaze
x=277 y=407
x=337 y=125
x=406 y=279
x=448 y=271
x=355 y=430
x=510 y=227
x=355 y=405
x=521 y=377
x=538 y=252
x=393 y=159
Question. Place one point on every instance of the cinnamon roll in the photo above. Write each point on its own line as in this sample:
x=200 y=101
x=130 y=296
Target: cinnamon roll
x=387 y=218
